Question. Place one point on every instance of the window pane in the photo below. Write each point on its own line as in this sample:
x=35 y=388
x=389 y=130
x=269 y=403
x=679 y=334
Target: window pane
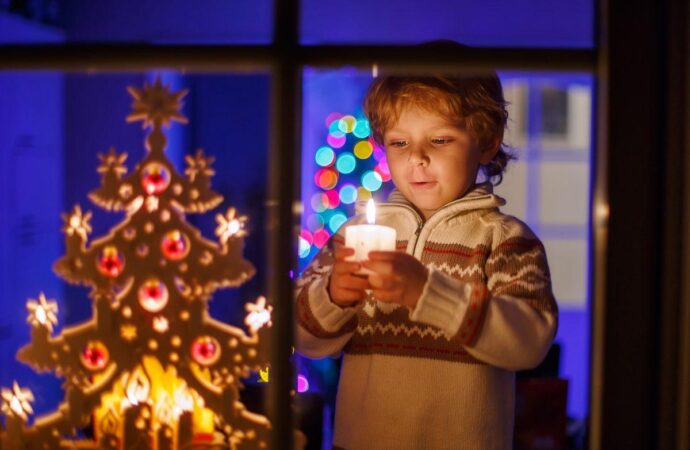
x=149 y=21
x=64 y=137
x=547 y=187
x=498 y=23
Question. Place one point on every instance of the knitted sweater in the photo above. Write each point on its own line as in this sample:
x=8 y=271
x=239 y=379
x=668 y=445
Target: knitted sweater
x=441 y=376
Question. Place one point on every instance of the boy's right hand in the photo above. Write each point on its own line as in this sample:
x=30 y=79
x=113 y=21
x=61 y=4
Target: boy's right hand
x=344 y=287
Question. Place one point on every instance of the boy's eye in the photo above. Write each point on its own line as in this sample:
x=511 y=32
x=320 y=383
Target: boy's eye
x=441 y=140
x=398 y=143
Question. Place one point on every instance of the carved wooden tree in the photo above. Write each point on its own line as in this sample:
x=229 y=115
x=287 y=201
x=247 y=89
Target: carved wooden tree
x=151 y=369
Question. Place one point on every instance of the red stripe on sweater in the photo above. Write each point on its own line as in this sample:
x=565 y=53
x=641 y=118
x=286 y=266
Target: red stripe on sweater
x=409 y=347
x=456 y=252
x=520 y=243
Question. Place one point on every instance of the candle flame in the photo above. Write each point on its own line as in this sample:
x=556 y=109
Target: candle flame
x=371 y=211
x=183 y=400
x=138 y=387
x=164 y=409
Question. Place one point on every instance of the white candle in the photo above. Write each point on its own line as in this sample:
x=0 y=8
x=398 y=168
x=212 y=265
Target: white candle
x=368 y=237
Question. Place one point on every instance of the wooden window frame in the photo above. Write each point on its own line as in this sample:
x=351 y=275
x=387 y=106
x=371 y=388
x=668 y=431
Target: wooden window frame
x=640 y=248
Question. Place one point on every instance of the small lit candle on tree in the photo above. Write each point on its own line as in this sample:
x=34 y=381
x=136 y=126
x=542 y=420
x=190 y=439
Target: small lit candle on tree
x=138 y=413
x=368 y=237
x=185 y=430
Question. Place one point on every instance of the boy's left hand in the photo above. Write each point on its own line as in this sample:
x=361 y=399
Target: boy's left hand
x=397 y=278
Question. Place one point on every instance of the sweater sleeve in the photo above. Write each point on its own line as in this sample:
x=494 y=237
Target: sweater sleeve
x=510 y=321
x=323 y=328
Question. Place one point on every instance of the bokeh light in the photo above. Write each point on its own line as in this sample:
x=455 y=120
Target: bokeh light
x=326 y=178
x=302 y=383
x=346 y=163
x=347 y=123
x=363 y=149
x=362 y=129
x=333 y=199
x=332 y=117
x=372 y=181
x=319 y=202
x=334 y=129
x=363 y=194
x=304 y=247
x=349 y=170
x=336 y=141
x=325 y=156
x=336 y=221
x=379 y=153
x=315 y=222
x=321 y=237
x=348 y=194
x=382 y=169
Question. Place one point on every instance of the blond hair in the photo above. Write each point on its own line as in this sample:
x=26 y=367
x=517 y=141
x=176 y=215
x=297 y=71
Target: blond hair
x=472 y=103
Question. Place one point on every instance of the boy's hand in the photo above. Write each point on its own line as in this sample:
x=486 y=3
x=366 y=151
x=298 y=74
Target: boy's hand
x=344 y=287
x=397 y=278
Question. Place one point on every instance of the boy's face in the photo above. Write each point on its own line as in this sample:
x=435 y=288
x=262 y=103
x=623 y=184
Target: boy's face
x=432 y=162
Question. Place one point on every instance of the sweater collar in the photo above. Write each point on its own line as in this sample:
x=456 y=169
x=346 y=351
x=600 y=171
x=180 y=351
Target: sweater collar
x=481 y=196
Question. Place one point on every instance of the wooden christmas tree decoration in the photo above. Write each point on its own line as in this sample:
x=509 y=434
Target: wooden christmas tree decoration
x=151 y=369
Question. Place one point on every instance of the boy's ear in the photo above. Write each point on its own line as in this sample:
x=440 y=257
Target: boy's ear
x=490 y=151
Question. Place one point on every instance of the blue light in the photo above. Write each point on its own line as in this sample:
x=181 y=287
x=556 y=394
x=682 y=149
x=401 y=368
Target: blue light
x=324 y=156
x=346 y=163
x=336 y=221
x=362 y=129
x=304 y=247
x=371 y=181
x=348 y=194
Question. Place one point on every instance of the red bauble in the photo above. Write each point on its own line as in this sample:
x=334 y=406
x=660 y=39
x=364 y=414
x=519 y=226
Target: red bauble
x=155 y=178
x=206 y=350
x=175 y=245
x=153 y=295
x=110 y=262
x=95 y=356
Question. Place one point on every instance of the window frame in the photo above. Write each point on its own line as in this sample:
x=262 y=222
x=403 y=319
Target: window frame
x=624 y=307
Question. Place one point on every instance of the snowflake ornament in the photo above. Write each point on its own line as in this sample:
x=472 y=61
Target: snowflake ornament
x=199 y=164
x=112 y=162
x=77 y=223
x=259 y=314
x=230 y=225
x=42 y=312
x=17 y=401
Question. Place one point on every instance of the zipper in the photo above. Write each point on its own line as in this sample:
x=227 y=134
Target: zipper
x=420 y=222
x=415 y=214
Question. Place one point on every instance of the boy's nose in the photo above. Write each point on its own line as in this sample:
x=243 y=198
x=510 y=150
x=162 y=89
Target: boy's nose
x=418 y=157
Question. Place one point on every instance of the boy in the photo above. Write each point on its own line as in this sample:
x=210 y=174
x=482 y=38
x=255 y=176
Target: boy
x=430 y=355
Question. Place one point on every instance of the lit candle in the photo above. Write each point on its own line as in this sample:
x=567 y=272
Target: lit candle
x=137 y=427
x=368 y=237
x=165 y=437
x=137 y=413
x=184 y=430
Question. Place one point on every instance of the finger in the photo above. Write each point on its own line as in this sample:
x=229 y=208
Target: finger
x=343 y=252
x=383 y=268
x=354 y=282
x=387 y=295
x=380 y=255
x=379 y=281
x=343 y=267
x=348 y=295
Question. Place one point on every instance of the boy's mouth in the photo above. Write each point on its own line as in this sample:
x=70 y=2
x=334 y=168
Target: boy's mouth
x=423 y=184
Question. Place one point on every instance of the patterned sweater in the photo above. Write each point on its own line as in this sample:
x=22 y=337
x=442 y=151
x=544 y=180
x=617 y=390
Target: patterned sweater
x=440 y=376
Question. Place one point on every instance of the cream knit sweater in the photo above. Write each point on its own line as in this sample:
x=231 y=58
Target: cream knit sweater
x=441 y=376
